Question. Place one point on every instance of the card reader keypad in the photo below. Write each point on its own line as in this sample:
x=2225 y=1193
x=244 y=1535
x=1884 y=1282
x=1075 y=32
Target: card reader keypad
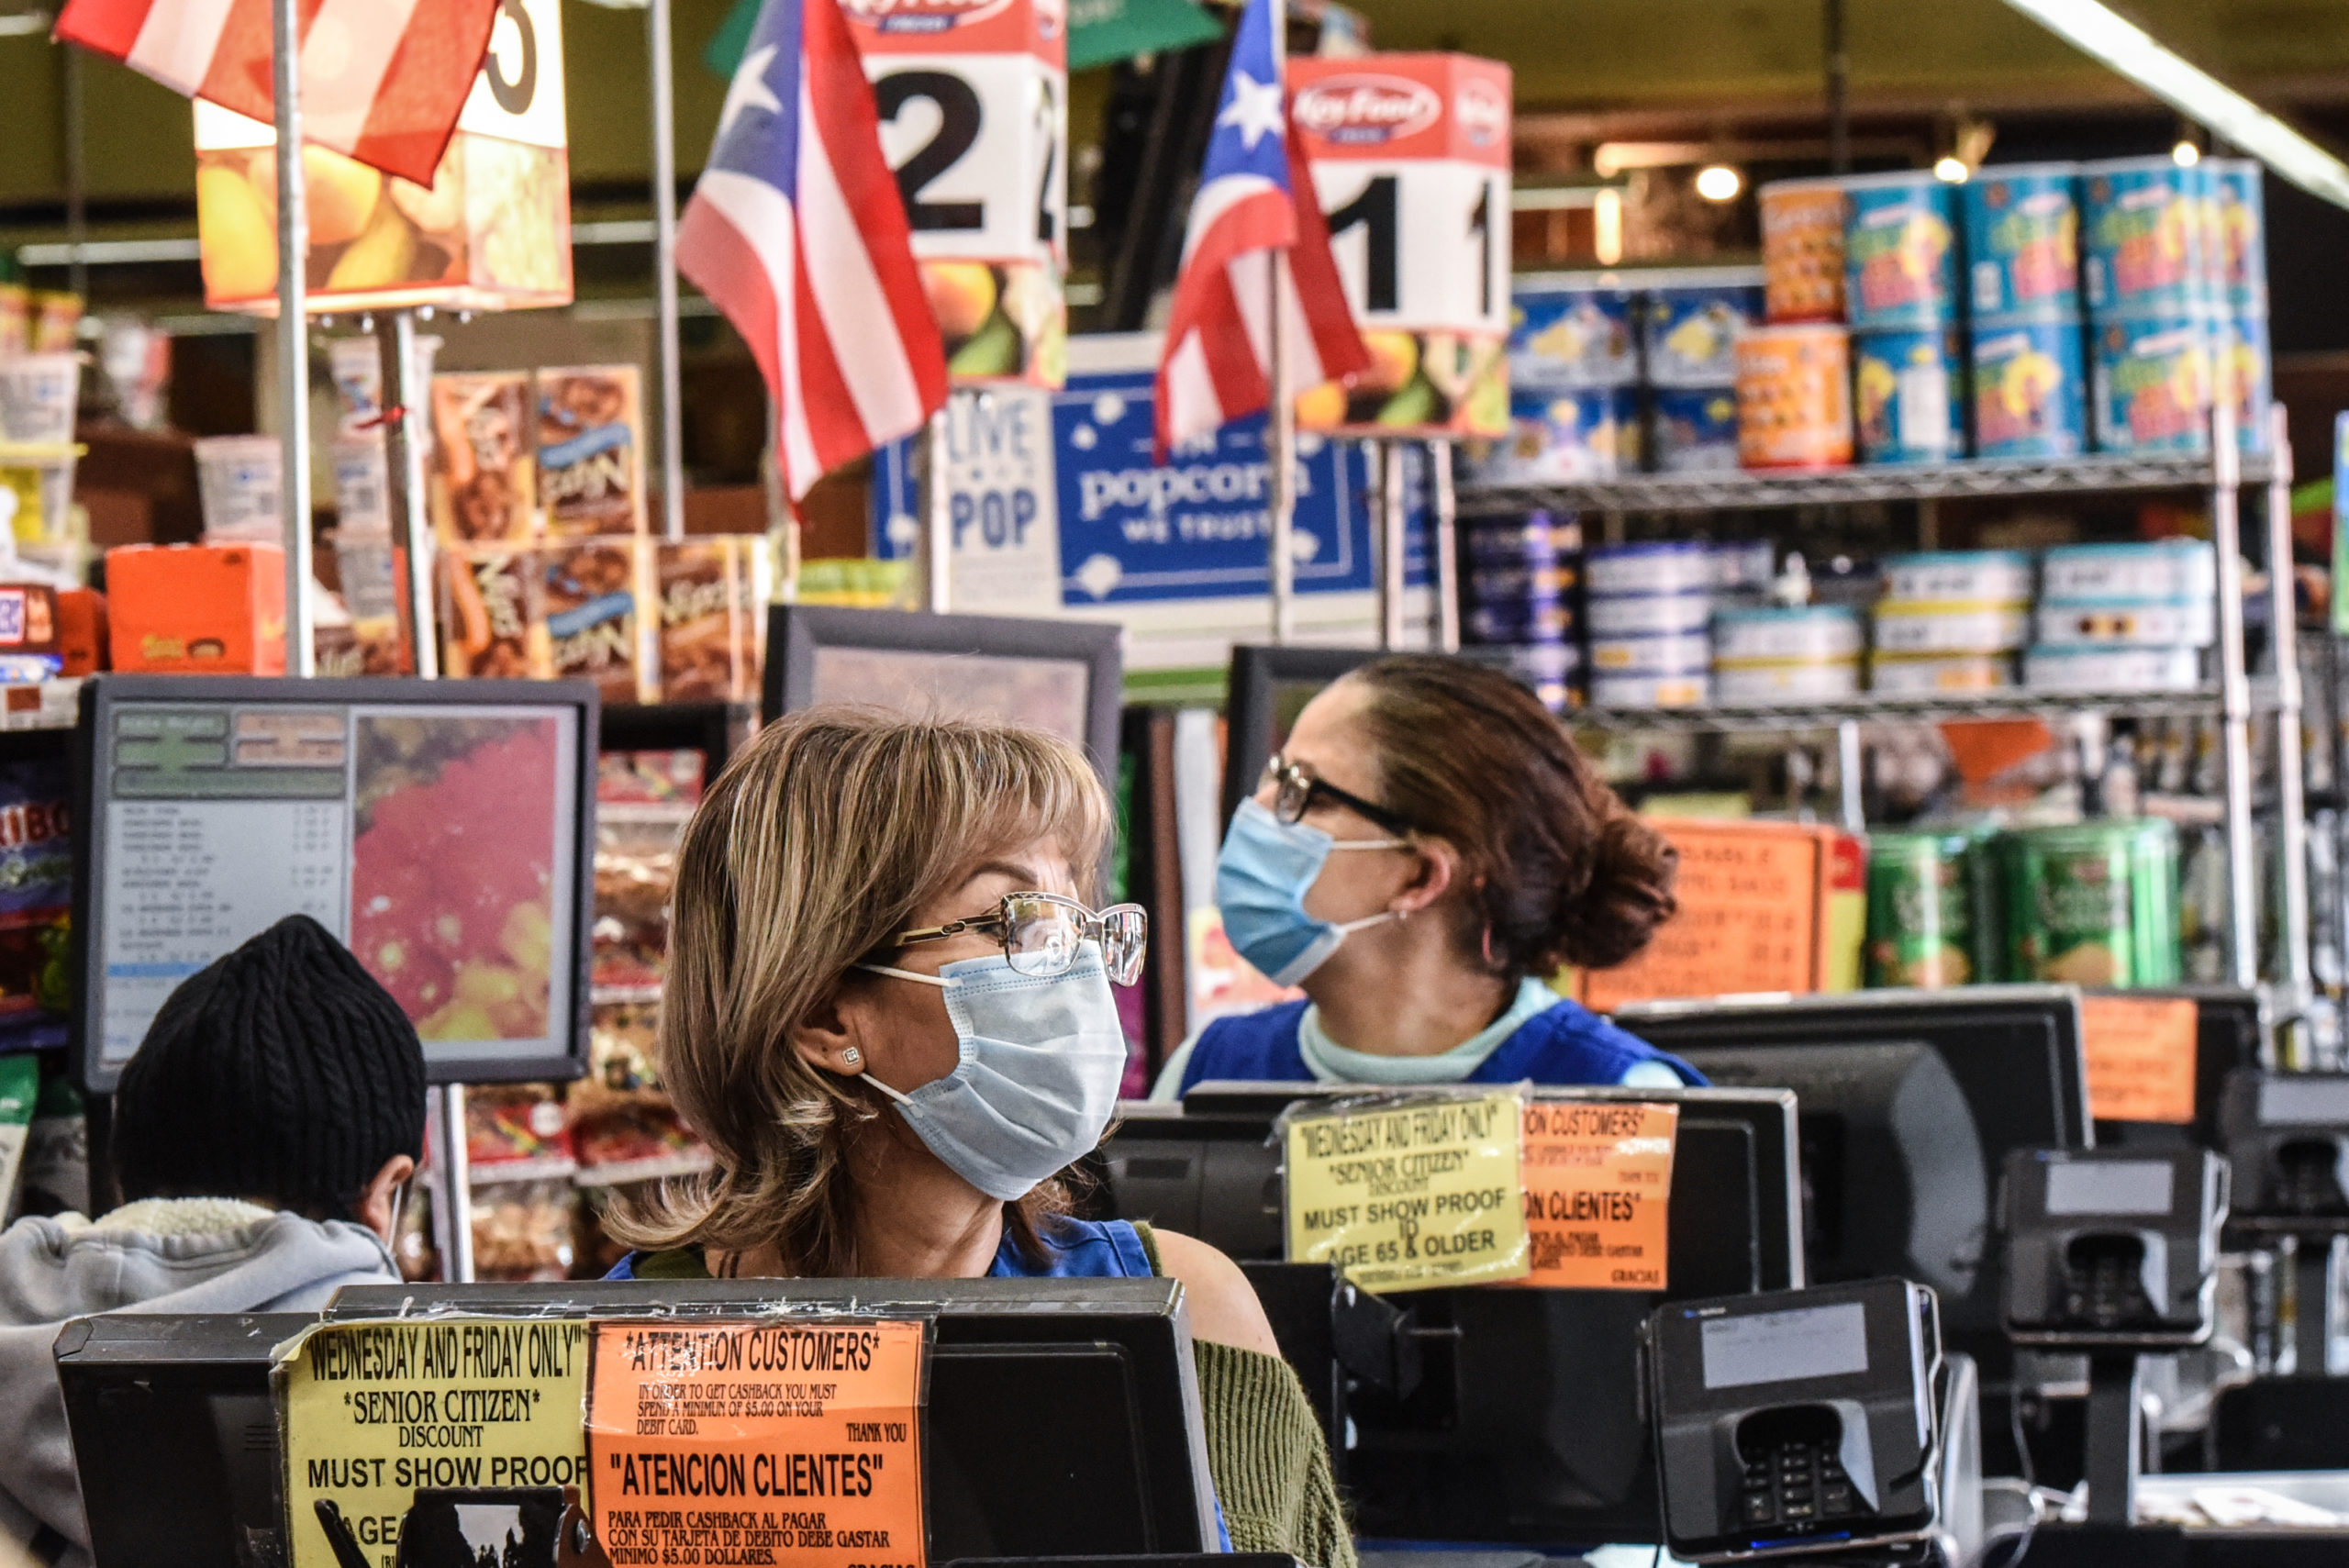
x=1796 y=1483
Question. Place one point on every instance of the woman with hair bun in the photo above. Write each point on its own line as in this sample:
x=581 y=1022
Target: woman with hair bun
x=1427 y=847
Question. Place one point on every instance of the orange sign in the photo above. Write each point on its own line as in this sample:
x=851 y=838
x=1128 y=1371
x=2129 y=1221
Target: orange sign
x=1597 y=1176
x=1752 y=896
x=752 y=1443
x=2141 y=1058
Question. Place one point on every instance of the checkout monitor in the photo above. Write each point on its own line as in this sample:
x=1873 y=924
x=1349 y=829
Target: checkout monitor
x=443 y=829
x=1524 y=1424
x=1910 y=1102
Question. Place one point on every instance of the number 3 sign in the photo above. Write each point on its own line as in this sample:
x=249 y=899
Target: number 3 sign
x=1411 y=157
x=973 y=98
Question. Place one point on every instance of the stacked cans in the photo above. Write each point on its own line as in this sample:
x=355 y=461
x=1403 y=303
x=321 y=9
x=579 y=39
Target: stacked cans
x=2093 y=903
x=1648 y=607
x=1951 y=621
x=1519 y=597
x=1690 y=320
x=1900 y=297
x=2236 y=214
x=2023 y=225
x=1574 y=380
x=2121 y=617
x=1764 y=653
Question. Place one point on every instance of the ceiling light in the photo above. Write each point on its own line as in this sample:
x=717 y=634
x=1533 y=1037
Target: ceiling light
x=1718 y=183
x=2095 y=30
x=2185 y=154
x=1951 y=168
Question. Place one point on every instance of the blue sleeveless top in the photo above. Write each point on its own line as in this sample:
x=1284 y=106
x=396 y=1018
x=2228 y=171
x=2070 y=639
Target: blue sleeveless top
x=1564 y=1044
x=1073 y=1248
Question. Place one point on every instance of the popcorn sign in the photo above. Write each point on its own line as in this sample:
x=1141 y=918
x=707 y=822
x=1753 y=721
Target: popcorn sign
x=974 y=102
x=1411 y=156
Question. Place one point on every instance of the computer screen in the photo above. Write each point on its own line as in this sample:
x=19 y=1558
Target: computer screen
x=1063 y=677
x=442 y=830
x=1525 y=1425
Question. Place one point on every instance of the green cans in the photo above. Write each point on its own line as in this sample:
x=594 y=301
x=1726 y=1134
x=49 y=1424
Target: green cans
x=2093 y=904
x=1930 y=915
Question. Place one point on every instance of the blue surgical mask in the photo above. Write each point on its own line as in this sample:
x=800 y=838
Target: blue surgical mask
x=1042 y=1061
x=1261 y=879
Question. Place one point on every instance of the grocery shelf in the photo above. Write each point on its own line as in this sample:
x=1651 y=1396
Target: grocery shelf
x=1872 y=708
x=40 y=705
x=1739 y=489
x=615 y=995
x=652 y=1168
x=535 y=1168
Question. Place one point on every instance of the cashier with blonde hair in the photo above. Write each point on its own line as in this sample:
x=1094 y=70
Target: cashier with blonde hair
x=890 y=1013
x=1426 y=851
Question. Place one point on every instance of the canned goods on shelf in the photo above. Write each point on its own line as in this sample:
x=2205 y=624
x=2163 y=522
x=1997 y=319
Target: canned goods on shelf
x=1528 y=583
x=2245 y=365
x=1923 y=627
x=1662 y=566
x=1535 y=621
x=2242 y=250
x=1802 y=249
x=1806 y=634
x=1766 y=681
x=2130 y=573
x=2110 y=669
x=1551 y=669
x=1570 y=329
x=2022 y=243
x=1794 y=404
x=1694 y=430
x=1648 y=615
x=1537 y=538
x=1682 y=653
x=2142 y=237
x=2183 y=623
x=1743 y=568
x=1693 y=690
x=1926 y=897
x=1938 y=674
x=1563 y=434
x=1910 y=400
x=1899 y=251
x=2093 y=904
x=2153 y=384
x=2029 y=395
x=1970 y=576
x=1690 y=320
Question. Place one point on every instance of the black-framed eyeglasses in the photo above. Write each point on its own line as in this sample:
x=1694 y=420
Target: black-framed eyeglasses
x=1296 y=790
x=1042 y=932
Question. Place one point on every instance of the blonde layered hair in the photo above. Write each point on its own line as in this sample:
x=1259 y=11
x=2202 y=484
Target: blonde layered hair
x=822 y=839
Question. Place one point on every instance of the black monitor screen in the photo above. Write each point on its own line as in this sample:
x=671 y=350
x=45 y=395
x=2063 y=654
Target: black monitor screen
x=440 y=831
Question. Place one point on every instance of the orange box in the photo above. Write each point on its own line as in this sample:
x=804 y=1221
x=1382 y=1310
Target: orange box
x=198 y=609
x=1764 y=906
x=1802 y=249
x=1794 y=397
x=81 y=632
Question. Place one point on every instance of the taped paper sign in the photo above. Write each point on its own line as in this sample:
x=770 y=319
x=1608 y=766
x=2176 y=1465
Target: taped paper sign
x=1598 y=1178
x=433 y=1443
x=2141 y=1058
x=720 y=1445
x=1407 y=1196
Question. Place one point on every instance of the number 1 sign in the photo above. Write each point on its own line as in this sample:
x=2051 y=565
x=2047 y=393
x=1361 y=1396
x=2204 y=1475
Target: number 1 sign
x=1411 y=157
x=973 y=97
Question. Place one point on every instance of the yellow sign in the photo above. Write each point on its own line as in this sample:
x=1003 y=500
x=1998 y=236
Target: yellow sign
x=1405 y=1196
x=749 y=1444
x=1598 y=1178
x=433 y=1441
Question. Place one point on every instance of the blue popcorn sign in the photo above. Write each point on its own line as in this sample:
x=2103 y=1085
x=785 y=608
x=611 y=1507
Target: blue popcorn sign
x=1120 y=527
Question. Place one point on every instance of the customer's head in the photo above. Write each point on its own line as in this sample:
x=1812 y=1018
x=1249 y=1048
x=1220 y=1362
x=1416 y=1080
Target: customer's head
x=281 y=1073
x=830 y=834
x=1510 y=839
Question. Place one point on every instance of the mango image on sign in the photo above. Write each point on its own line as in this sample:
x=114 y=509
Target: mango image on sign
x=239 y=234
x=1321 y=407
x=961 y=296
x=343 y=194
x=1394 y=360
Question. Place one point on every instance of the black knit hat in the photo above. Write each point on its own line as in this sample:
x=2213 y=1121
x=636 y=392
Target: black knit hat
x=281 y=1073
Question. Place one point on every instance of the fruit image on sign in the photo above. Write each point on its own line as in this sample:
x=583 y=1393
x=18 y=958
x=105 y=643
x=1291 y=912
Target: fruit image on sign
x=452 y=868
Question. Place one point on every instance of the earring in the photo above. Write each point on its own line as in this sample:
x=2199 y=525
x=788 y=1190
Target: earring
x=852 y=1056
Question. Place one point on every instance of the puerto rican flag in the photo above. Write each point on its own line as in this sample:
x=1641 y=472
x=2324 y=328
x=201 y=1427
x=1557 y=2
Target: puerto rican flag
x=797 y=231
x=1255 y=198
x=383 y=81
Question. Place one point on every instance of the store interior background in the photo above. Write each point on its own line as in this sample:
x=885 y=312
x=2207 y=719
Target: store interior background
x=1598 y=84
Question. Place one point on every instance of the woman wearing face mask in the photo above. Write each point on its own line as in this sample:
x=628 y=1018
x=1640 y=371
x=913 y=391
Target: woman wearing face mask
x=1425 y=852
x=889 y=1015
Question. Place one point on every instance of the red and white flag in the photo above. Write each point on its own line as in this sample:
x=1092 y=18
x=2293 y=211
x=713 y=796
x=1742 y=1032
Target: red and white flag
x=797 y=231
x=1255 y=198
x=381 y=80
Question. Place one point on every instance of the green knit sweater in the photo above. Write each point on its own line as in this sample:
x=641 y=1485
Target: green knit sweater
x=1266 y=1451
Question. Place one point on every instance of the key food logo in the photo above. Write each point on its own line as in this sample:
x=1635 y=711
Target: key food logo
x=1483 y=111
x=1367 y=110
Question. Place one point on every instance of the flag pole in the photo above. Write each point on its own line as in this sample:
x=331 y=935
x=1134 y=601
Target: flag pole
x=292 y=334
x=664 y=270
x=1281 y=440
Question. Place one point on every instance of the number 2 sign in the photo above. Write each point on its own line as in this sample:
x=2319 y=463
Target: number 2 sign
x=972 y=100
x=1411 y=156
